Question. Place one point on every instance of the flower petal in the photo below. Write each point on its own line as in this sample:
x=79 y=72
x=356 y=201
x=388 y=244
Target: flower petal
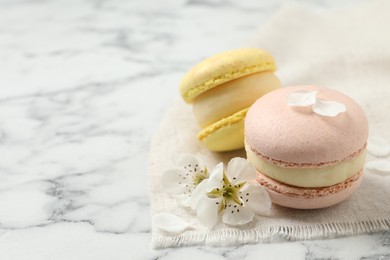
x=172 y=181
x=381 y=166
x=301 y=98
x=239 y=170
x=235 y=214
x=197 y=194
x=191 y=163
x=215 y=179
x=328 y=108
x=207 y=211
x=378 y=146
x=170 y=223
x=255 y=197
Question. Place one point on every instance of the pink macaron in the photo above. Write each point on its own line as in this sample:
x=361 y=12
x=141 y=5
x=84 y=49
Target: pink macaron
x=308 y=145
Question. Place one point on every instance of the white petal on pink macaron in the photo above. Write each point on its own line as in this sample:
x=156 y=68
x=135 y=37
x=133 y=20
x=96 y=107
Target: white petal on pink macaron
x=379 y=166
x=240 y=170
x=328 y=107
x=301 y=98
x=170 y=223
x=378 y=146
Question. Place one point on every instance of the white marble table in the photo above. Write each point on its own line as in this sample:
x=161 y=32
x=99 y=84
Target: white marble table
x=83 y=86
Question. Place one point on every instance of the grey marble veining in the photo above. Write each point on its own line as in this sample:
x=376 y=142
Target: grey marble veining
x=83 y=86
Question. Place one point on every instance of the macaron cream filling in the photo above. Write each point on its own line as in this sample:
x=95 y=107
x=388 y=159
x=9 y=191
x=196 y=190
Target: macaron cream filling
x=232 y=96
x=309 y=177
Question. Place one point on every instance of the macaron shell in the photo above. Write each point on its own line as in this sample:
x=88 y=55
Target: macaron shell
x=226 y=134
x=309 y=198
x=222 y=68
x=297 y=135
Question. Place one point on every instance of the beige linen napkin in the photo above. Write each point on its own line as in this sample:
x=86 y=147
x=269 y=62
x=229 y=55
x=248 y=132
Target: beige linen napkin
x=348 y=51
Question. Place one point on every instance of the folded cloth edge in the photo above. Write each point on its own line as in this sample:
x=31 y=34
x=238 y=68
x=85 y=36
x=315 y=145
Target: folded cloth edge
x=272 y=234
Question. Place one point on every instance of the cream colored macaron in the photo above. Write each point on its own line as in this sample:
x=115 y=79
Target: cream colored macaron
x=222 y=88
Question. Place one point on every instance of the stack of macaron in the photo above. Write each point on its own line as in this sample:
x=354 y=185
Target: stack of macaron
x=221 y=90
x=305 y=158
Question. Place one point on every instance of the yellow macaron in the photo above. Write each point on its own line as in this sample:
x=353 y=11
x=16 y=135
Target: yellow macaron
x=222 y=88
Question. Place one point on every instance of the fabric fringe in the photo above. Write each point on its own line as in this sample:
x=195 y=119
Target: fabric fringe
x=272 y=234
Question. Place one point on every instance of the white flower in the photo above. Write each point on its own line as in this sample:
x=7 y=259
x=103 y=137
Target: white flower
x=235 y=195
x=320 y=106
x=187 y=177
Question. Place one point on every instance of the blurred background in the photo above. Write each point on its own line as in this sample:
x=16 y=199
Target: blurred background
x=84 y=84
